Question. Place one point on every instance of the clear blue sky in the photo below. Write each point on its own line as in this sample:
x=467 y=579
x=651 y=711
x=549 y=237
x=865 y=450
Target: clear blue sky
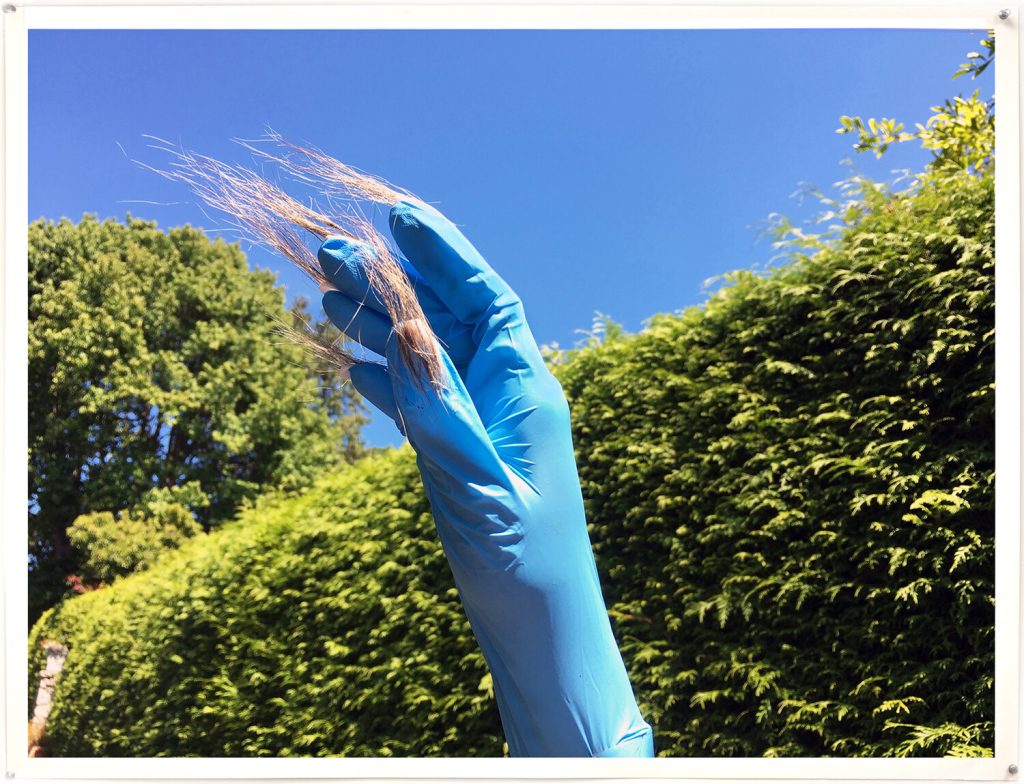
x=607 y=171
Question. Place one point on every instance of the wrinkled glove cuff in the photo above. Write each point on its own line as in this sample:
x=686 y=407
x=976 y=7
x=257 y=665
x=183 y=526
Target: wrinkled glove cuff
x=639 y=743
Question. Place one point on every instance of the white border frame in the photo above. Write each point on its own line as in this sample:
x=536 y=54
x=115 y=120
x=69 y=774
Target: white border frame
x=1009 y=721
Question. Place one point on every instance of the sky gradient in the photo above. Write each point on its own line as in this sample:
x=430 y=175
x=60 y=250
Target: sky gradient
x=610 y=171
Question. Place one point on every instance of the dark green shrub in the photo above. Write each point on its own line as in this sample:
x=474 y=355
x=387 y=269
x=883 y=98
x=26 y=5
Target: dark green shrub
x=322 y=624
x=790 y=494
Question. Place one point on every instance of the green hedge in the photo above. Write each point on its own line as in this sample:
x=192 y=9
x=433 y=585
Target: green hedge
x=322 y=624
x=790 y=495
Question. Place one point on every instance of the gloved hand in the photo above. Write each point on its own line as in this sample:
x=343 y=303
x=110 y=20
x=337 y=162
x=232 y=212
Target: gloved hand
x=495 y=452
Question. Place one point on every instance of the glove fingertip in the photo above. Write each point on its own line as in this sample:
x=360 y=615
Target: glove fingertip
x=403 y=213
x=410 y=214
x=336 y=253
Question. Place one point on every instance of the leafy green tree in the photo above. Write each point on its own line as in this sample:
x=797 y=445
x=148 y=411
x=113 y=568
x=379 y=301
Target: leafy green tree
x=960 y=133
x=113 y=546
x=152 y=364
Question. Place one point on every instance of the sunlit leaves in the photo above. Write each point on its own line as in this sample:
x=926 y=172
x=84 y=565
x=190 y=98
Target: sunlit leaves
x=323 y=624
x=803 y=467
x=153 y=363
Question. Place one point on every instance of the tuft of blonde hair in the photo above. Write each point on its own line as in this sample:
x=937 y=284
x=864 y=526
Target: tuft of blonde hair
x=269 y=216
x=312 y=165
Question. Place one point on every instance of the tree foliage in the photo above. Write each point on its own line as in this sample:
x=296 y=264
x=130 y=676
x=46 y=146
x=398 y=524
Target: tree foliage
x=153 y=364
x=808 y=460
x=960 y=133
x=978 y=62
x=116 y=545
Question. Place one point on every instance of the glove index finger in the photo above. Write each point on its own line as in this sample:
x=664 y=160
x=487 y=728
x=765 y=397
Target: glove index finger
x=456 y=271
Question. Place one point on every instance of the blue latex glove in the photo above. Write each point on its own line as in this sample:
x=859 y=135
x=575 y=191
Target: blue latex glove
x=495 y=453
